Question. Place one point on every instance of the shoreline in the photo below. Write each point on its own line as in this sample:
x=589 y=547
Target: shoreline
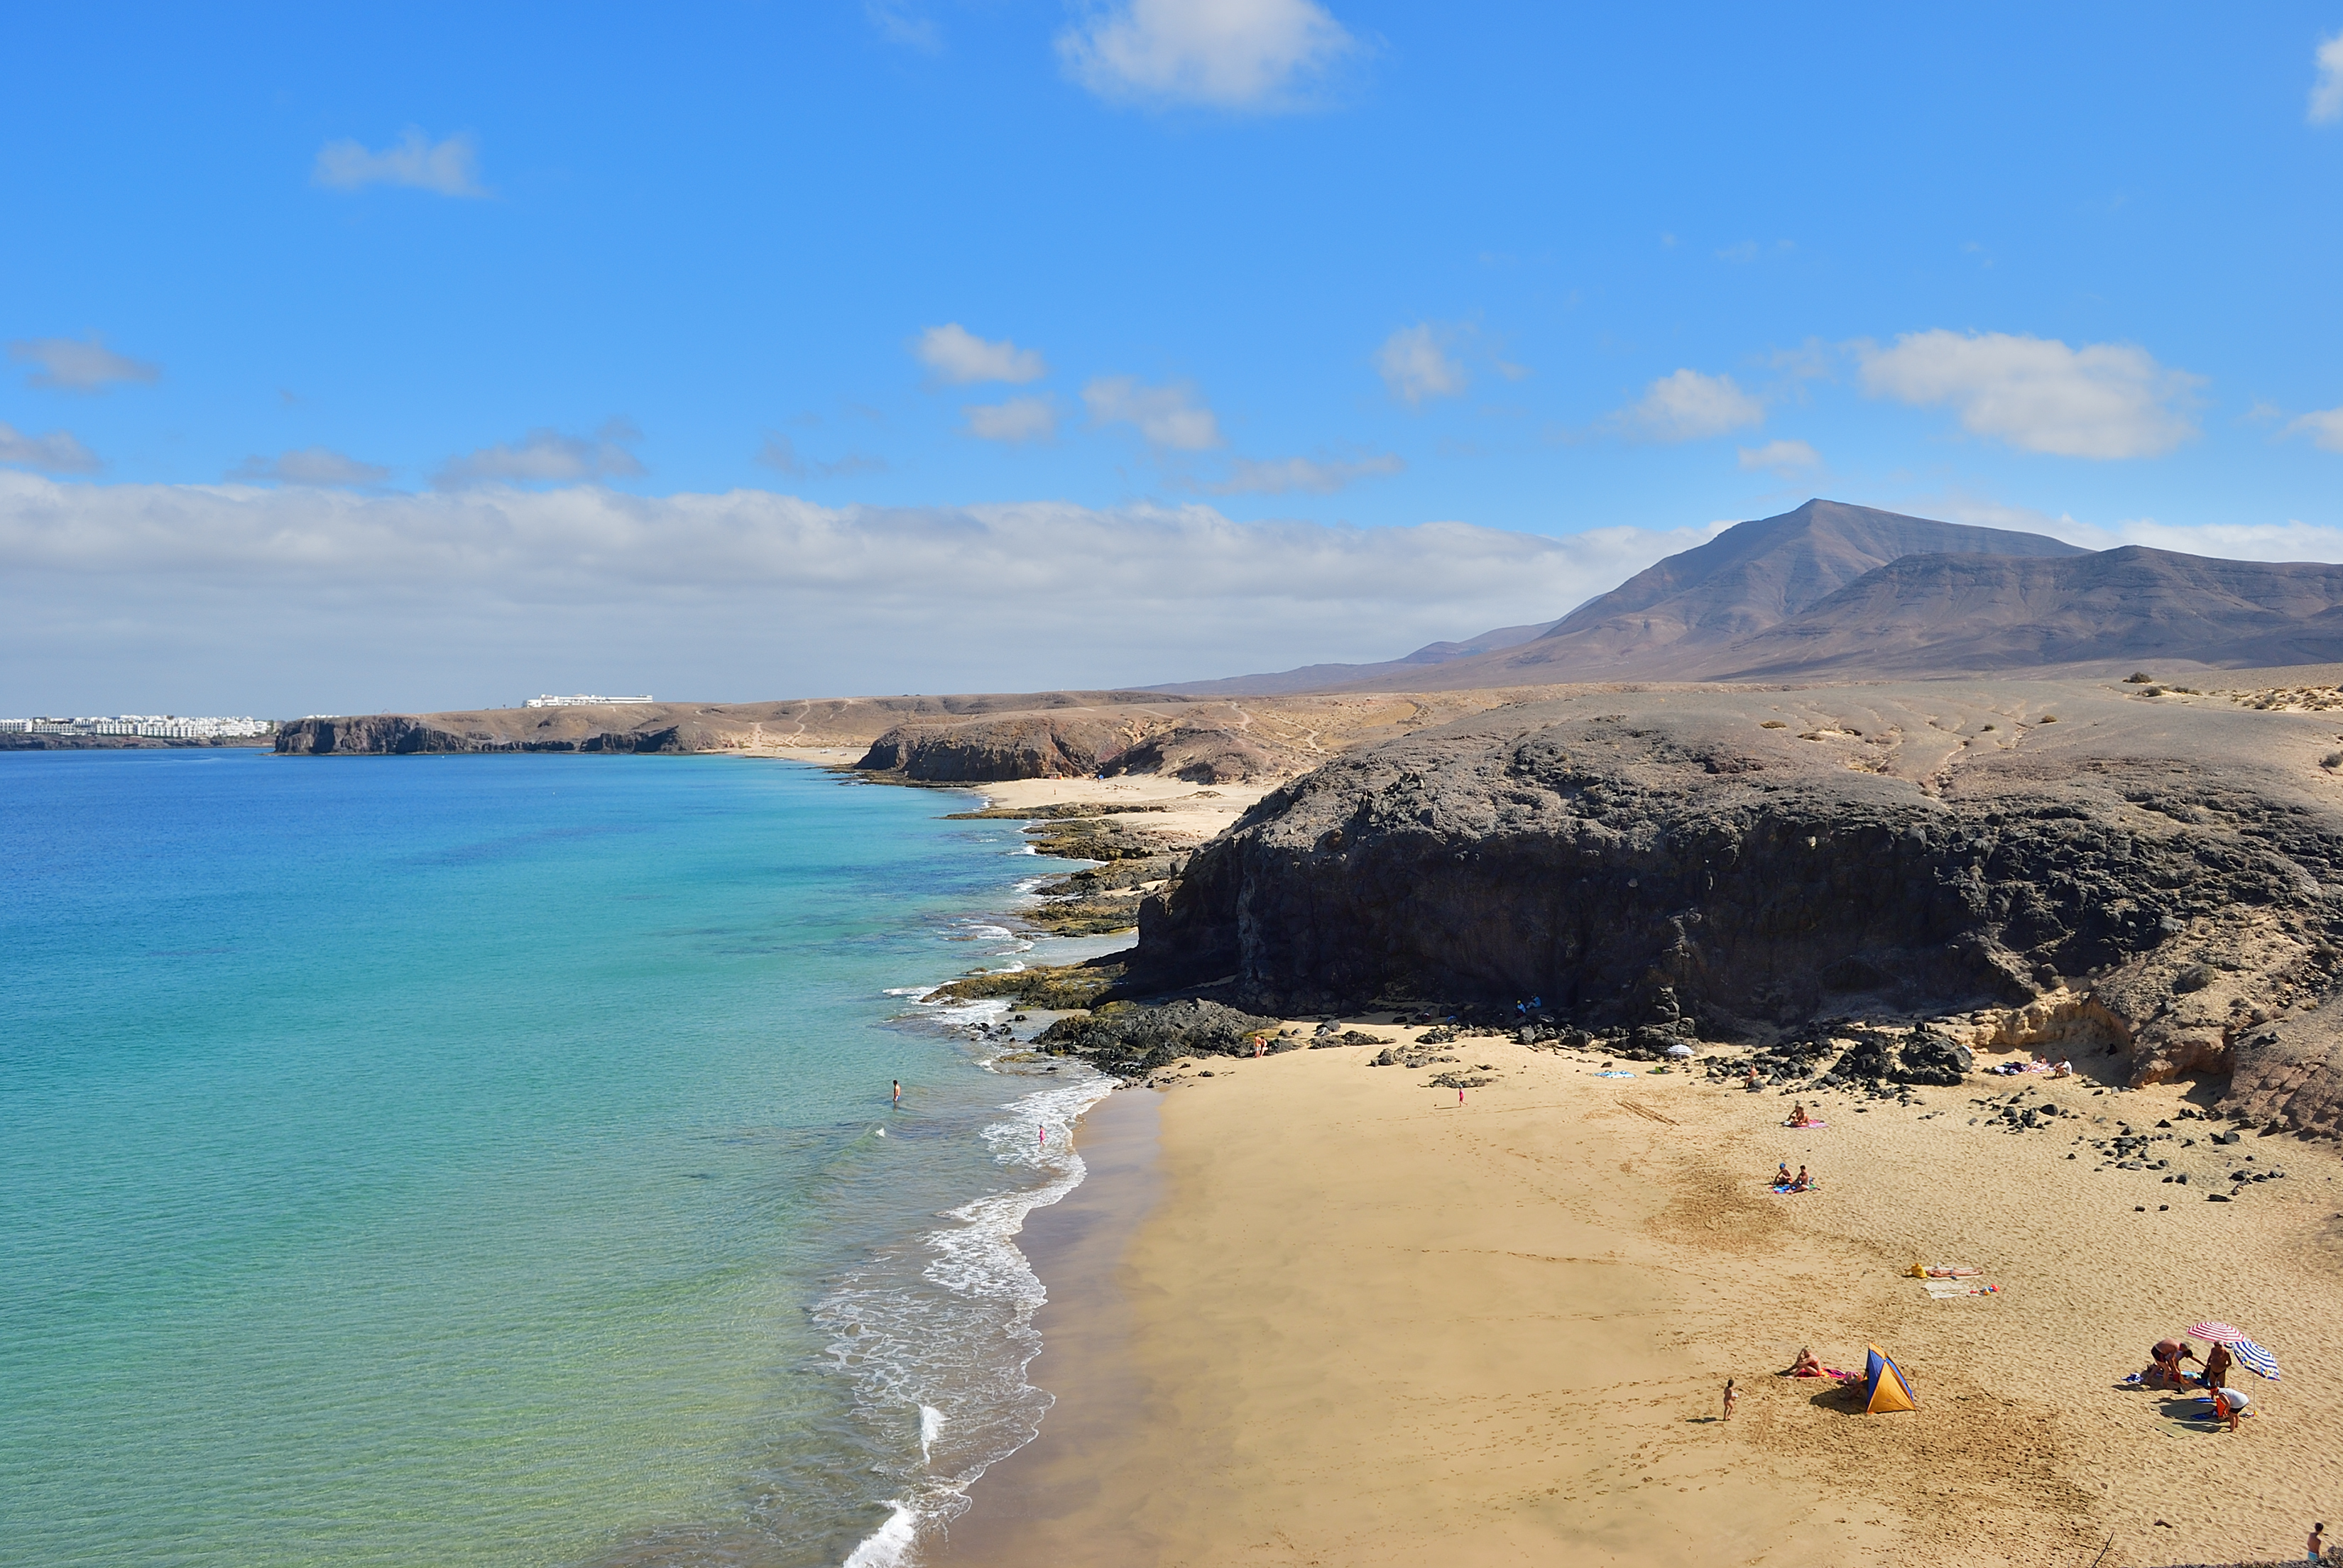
x=1328 y=1314
x=1344 y=1318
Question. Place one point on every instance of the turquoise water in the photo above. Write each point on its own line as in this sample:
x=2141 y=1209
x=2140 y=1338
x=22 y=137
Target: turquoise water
x=479 y=1161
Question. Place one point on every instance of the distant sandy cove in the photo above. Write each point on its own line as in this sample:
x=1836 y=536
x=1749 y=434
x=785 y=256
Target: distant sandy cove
x=1310 y=1312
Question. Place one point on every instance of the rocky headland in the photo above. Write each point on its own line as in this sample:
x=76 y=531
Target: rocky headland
x=2073 y=867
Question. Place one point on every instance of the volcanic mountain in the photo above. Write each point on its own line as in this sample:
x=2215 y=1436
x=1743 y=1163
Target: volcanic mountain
x=1832 y=589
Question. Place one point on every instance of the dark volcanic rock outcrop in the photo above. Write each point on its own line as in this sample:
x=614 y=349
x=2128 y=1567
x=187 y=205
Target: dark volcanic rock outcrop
x=1126 y=1039
x=1762 y=859
x=1024 y=745
x=408 y=735
x=1207 y=745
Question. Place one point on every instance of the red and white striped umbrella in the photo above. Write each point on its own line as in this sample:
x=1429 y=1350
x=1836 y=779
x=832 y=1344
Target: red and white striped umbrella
x=2220 y=1333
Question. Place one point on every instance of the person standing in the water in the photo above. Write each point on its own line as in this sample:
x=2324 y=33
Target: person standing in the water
x=898 y=1092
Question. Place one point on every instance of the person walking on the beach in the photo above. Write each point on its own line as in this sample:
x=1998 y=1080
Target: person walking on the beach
x=1459 y=1097
x=2317 y=1543
x=1732 y=1398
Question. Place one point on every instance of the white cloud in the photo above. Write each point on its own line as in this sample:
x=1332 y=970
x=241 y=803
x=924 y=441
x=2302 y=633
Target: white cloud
x=2327 y=93
x=450 y=167
x=1415 y=365
x=2324 y=427
x=961 y=358
x=71 y=364
x=899 y=23
x=1228 y=54
x=1686 y=406
x=1287 y=476
x=452 y=599
x=1168 y=417
x=59 y=452
x=545 y=455
x=1782 y=457
x=1017 y=420
x=2101 y=400
x=780 y=453
x=311 y=466
x=2291 y=540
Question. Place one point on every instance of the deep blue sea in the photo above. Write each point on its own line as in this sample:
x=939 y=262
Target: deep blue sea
x=490 y=1161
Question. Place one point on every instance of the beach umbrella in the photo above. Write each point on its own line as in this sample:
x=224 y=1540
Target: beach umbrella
x=2245 y=1351
x=1679 y=1050
x=2254 y=1359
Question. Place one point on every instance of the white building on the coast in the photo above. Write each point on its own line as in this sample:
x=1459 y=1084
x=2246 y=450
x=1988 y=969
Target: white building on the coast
x=153 y=726
x=579 y=701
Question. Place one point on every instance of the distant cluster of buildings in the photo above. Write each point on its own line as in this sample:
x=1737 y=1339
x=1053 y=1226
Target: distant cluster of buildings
x=579 y=702
x=156 y=726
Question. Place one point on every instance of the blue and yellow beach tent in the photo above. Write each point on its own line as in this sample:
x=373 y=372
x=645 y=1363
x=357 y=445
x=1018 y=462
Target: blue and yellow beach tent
x=1884 y=1387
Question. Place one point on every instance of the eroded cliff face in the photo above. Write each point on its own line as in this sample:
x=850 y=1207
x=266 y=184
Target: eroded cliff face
x=2050 y=863
x=408 y=735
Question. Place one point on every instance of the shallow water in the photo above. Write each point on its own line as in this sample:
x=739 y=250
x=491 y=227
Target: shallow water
x=490 y=1161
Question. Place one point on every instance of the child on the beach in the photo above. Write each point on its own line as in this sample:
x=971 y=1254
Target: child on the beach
x=2317 y=1536
x=1732 y=1398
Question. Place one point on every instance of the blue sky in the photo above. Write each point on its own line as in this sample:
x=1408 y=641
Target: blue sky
x=394 y=357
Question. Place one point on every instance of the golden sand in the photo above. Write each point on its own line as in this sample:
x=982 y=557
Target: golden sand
x=1325 y=1314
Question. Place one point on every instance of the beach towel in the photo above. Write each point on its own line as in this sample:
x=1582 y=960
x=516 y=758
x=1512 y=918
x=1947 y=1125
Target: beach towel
x=1615 y=1075
x=1789 y=1192
x=1802 y=1126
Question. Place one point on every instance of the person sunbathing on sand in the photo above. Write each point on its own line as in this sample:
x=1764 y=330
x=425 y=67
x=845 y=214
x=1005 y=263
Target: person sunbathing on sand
x=1782 y=1174
x=1806 y=1365
x=1803 y=1183
x=1798 y=1115
x=2064 y=1069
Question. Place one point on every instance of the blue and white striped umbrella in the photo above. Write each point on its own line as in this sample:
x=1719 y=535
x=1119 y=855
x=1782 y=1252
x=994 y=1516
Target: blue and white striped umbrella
x=2254 y=1359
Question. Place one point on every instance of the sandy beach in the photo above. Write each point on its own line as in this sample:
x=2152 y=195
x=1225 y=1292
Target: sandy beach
x=1308 y=1311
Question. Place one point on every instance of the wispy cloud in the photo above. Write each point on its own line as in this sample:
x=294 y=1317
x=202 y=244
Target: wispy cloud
x=59 y=452
x=900 y=22
x=309 y=465
x=547 y=456
x=450 y=167
x=1170 y=417
x=2103 y=400
x=2327 y=92
x=780 y=454
x=79 y=365
x=1787 y=459
x=1018 y=420
x=1287 y=476
x=1258 y=55
x=1415 y=365
x=2323 y=426
x=1687 y=405
x=960 y=357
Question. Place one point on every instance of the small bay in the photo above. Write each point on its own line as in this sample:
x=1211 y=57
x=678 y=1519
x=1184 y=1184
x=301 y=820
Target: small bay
x=449 y=1161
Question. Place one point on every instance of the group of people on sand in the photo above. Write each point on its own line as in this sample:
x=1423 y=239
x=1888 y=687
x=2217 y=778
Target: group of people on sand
x=1785 y=1182
x=2166 y=1369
